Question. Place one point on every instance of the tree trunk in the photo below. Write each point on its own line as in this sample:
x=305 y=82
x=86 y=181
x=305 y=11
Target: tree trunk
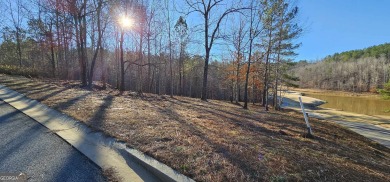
x=122 y=64
x=79 y=44
x=52 y=55
x=140 y=57
x=170 y=54
x=206 y=60
x=266 y=74
x=150 y=79
x=238 y=96
x=205 y=73
x=181 y=72
x=98 y=46
x=82 y=22
x=248 y=71
x=103 y=69
x=18 y=46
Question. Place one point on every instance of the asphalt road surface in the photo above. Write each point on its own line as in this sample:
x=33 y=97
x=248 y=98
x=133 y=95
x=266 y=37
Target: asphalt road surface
x=27 y=146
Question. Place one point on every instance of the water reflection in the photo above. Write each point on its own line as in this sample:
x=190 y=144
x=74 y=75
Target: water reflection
x=361 y=105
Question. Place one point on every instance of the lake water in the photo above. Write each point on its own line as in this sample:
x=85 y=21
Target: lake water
x=361 y=105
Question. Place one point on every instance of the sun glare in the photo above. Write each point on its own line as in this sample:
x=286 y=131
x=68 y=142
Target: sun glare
x=125 y=22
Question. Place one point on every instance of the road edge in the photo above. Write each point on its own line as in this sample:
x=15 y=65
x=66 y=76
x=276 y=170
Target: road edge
x=104 y=151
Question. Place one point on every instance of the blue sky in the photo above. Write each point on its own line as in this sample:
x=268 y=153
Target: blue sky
x=340 y=25
x=330 y=26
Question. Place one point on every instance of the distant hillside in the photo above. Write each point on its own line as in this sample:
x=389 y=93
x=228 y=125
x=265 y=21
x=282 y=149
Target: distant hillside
x=365 y=70
x=373 y=52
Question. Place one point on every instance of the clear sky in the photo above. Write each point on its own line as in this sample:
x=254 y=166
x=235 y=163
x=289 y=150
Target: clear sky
x=332 y=26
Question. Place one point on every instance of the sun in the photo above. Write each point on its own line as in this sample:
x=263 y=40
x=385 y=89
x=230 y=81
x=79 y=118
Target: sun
x=125 y=22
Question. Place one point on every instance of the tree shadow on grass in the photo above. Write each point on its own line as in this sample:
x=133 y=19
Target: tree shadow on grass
x=33 y=89
x=52 y=94
x=234 y=117
x=12 y=84
x=6 y=81
x=66 y=104
x=322 y=142
x=98 y=119
x=235 y=158
x=40 y=90
x=29 y=87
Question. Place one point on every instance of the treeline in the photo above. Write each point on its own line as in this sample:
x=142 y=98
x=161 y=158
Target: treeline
x=365 y=70
x=367 y=74
x=149 y=46
x=377 y=51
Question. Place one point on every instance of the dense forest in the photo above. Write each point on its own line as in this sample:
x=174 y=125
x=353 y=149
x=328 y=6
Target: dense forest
x=365 y=70
x=225 y=49
x=378 y=51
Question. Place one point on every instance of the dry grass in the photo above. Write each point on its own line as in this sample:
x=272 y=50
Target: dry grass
x=111 y=175
x=216 y=140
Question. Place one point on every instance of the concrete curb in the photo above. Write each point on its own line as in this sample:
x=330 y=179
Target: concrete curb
x=105 y=151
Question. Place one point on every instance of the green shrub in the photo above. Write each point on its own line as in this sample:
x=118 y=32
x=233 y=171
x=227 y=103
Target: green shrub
x=385 y=92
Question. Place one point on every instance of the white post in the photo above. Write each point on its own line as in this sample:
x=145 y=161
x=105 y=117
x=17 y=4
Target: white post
x=304 y=115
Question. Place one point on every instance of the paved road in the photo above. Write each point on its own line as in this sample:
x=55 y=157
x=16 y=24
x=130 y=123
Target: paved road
x=27 y=146
x=378 y=134
x=368 y=126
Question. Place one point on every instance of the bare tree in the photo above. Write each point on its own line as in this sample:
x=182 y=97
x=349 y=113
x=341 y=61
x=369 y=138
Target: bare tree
x=254 y=31
x=212 y=22
x=239 y=35
x=15 y=10
x=150 y=21
x=170 y=46
x=79 y=13
x=98 y=48
x=182 y=31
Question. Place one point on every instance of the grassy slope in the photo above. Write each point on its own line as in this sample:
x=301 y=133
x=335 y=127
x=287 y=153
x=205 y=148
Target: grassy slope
x=216 y=140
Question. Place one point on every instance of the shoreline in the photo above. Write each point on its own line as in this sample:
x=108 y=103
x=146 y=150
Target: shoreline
x=312 y=106
x=376 y=128
x=313 y=91
x=343 y=101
